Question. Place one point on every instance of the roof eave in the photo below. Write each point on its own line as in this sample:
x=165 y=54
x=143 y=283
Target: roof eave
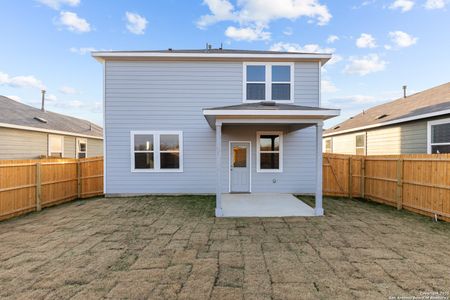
x=101 y=56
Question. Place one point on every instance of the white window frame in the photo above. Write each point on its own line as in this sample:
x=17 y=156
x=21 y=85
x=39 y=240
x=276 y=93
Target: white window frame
x=156 y=150
x=429 y=125
x=77 y=146
x=62 y=144
x=331 y=145
x=365 y=143
x=268 y=82
x=258 y=152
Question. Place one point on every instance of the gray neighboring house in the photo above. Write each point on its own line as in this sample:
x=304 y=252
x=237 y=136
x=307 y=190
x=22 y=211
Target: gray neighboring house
x=419 y=123
x=213 y=121
x=28 y=133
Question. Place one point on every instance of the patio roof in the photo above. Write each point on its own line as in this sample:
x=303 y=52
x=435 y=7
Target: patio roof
x=268 y=112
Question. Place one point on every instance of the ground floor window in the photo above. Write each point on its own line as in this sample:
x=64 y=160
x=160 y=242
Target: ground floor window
x=160 y=151
x=328 y=145
x=269 y=151
x=439 y=136
x=81 y=148
x=360 y=142
x=55 y=145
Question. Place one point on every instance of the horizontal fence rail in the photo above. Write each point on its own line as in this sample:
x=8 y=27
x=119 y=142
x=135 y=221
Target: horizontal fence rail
x=415 y=182
x=30 y=185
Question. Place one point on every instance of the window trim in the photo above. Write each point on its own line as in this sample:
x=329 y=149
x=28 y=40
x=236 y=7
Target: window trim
x=156 y=150
x=77 y=147
x=429 y=125
x=258 y=152
x=48 y=144
x=268 y=82
x=365 y=143
x=331 y=144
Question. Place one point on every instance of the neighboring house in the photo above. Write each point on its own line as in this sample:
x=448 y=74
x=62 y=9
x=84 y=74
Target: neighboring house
x=27 y=133
x=419 y=123
x=213 y=121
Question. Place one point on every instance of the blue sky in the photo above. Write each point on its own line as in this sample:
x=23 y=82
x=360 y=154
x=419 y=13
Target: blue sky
x=378 y=45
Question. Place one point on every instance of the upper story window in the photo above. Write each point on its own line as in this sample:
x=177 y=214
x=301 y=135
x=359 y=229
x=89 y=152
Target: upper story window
x=268 y=81
x=55 y=145
x=157 y=151
x=439 y=136
x=360 y=143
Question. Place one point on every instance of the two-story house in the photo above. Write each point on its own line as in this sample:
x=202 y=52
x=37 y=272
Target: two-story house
x=213 y=121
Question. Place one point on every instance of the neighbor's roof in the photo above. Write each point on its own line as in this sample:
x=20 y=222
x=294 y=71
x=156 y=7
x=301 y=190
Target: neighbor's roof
x=426 y=104
x=14 y=114
x=214 y=53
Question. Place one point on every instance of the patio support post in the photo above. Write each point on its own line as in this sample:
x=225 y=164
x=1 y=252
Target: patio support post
x=319 y=209
x=218 y=169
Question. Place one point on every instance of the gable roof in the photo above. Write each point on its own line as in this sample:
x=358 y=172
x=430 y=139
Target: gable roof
x=213 y=53
x=14 y=114
x=425 y=104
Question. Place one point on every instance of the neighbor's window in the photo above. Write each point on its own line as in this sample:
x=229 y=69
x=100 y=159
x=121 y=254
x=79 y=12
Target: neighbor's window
x=439 y=139
x=360 y=144
x=328 y=146
x=81 y=148
x=268 y=81
x=269 y=148
x=55 y=145
x=157 y=151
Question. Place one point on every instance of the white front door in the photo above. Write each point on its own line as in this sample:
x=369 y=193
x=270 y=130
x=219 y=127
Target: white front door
x=239 y=167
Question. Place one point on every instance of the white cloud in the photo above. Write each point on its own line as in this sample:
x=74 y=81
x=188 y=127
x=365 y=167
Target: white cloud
x=73 y=22
x=435 y=4
x=288 y=31
x=403 y=5
x=328 y=86
x=262 y=12
x=332 y=38
x=361 y=98
x=51 y=97
x=308 y=48
x=75 y=104
x=366 y=41
x=247 y=34
x=82 y=50
x=15 y=98
x=365 y=65
x=136 y=23
x=56 y=4
x=21 y=81
x=402 y=39
x=67 y=90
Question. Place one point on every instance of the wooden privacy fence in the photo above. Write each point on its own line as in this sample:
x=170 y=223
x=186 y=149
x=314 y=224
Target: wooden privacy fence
x=416 y=182
x=28 y=185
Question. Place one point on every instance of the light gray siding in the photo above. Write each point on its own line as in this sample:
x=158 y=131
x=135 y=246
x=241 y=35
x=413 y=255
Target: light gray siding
x=404 y=138
x=26 y=144
x=170 y=96
x=22 y=144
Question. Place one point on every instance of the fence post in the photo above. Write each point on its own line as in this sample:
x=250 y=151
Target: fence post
x=363 y=172
x=78 y=179
x=38 y=187
x=399 y=195
x=350 y=178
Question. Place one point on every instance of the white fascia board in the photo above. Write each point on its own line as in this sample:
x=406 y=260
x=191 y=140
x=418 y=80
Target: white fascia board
x=5 y=125
x=105 y=54
x=402 y=120
x=295 y=113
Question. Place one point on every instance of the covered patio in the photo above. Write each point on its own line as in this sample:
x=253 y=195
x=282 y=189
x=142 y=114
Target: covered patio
x=264 y=205
x=265 y=113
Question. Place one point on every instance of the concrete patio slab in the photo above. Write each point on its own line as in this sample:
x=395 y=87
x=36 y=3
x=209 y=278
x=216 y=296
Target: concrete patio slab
x=264 y=205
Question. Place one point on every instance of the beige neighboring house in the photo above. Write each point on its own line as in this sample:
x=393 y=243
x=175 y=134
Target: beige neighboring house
x=419 y=123
x=27 y=132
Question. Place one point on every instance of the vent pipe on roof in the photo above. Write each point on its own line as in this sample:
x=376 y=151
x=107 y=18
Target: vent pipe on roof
x=43 y=100
x=404 y=91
